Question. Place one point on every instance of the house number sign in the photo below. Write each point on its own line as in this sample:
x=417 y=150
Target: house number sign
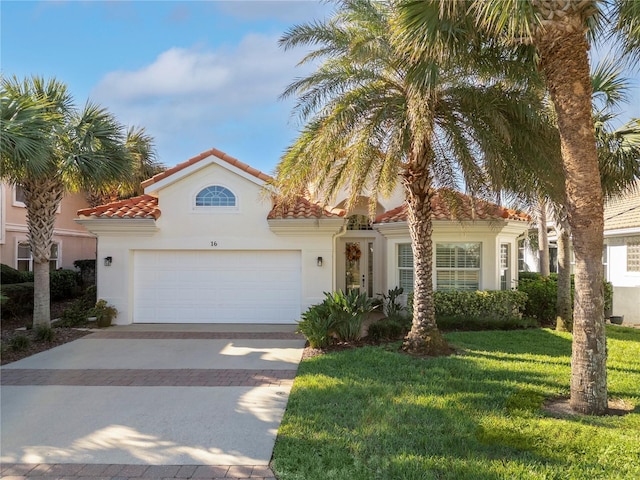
x=214 y=243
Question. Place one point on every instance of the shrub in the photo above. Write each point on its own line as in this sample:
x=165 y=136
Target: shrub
x=87 y=271
x=387 y=329
x=317 y=326
x=484 y=323
x=79 y=310
x=104 y=313
x=90 y=296
x=492 y=305
x=19 y=342
x=347 y=311
x=63 y=284
x=75 y=314
x=608 y=298
x=9 y=275
x=20 y=299
x=44 y=333
x=339 y=314
x=543 y=292
x=390 y=302
x=542 y=295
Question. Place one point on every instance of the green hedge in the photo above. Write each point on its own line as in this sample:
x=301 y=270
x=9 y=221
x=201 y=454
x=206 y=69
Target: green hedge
x=542 y=295
x=9 y=275
x=87 y=271
x=479 y=310
x=19 y=299
x=64 y=284
x=489 y=304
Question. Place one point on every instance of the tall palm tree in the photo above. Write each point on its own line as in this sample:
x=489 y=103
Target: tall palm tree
x=619 y=165
x=50 y=147
x=374 y=117
x=560 y=32
x=144 y=164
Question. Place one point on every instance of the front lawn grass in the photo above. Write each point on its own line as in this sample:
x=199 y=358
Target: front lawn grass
x=375 y=413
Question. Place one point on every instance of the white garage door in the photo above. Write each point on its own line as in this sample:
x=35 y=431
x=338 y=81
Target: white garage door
x=216 y=287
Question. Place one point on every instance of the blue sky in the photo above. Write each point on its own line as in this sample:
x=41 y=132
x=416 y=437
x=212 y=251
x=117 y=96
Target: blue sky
x=195 y=74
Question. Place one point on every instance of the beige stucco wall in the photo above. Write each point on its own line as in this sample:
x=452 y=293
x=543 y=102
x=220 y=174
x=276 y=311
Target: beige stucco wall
x=182 y=226
x=489 y=234
x=75 y=242
x=626 y=302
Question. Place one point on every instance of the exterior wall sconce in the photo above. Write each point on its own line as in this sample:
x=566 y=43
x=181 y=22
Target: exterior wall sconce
x=319 y=261
x=107 y=261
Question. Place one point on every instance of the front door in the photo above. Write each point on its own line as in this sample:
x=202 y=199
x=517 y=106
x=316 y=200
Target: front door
x=358 y=255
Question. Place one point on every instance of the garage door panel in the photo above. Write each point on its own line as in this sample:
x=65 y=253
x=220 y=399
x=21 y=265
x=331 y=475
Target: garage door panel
x=217 y=287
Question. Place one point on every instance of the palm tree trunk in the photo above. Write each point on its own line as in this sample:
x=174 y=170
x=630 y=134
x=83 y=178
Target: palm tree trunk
x=424 y=337
x=41 y=295
x=563 y=50
x=564 y=320
x=42 y=198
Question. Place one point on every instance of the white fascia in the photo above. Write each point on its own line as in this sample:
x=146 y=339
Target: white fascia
x=305 y=226
x=119 y=227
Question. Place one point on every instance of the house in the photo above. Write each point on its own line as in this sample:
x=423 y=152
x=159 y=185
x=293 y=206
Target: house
x=622 y=253
x=71 y=241
x=206 y=244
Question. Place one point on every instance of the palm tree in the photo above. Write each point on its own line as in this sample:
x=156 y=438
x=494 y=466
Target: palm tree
x=374 y=117
x=50 y=147
x=141 y=148
x=560 y=32
x=619 y=165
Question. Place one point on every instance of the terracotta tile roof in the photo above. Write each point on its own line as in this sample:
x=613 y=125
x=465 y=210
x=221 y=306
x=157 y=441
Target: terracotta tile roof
x=463 y=207
x=303 y=208
x=216 y=153
x=623 y=212
x=144 y=206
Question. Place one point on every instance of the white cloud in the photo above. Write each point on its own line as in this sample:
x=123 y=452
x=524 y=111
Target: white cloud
x=175 y=72
x=205 y=96
x=255 y=70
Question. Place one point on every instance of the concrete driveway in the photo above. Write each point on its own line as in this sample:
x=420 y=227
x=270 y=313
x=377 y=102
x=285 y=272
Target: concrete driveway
x=198 y=400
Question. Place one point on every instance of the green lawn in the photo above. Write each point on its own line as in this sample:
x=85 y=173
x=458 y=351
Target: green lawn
x=374 y=413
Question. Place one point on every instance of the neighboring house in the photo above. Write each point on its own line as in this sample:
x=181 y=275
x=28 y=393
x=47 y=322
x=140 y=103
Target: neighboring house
x=622 y=258
x=206 y=244
x=620 y=255
x=71 y=241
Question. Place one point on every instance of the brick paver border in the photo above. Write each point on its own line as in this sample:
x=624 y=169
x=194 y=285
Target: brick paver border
x=195 y=335
x=78 y=471
x=149 y=378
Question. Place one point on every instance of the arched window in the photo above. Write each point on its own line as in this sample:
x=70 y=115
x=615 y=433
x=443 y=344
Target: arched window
x=215 y=196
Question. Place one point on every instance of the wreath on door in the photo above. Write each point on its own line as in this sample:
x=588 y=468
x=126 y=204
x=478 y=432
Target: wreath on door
x=353 y=252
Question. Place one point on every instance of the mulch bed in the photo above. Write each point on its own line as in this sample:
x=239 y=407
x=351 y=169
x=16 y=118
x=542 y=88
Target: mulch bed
x=559 y=408
x=310 y=352
x=14 y=327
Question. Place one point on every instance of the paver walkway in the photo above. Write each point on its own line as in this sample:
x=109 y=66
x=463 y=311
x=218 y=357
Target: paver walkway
x=135 y=384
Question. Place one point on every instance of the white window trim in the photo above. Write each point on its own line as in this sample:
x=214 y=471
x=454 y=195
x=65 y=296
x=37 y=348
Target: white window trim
x=30 y=259
x=14 y=201
x=627 y=244
x=215 y=209
x=506 y=270
x=19 y=204
x=399 y=268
